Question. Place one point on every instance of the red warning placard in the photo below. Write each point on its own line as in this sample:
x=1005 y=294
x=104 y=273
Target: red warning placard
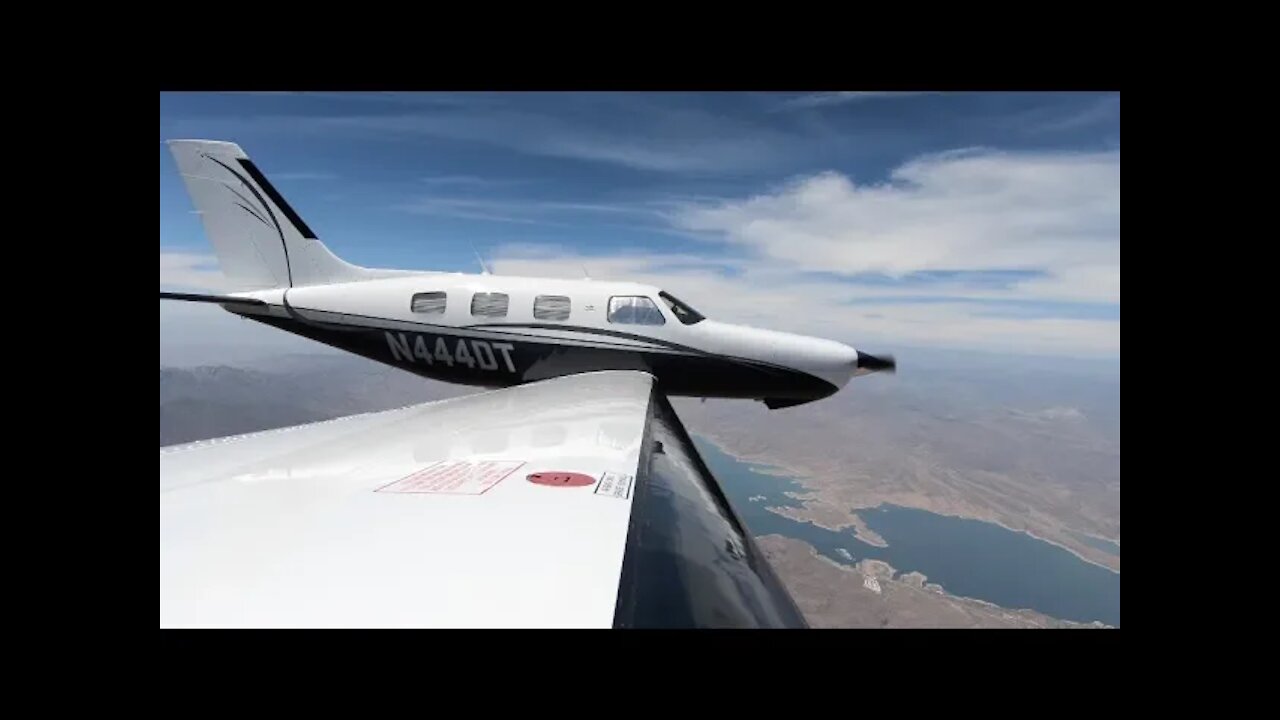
x=455 y=477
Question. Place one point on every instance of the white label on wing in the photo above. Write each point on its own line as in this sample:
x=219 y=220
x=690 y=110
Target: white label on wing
x=455 y=477
x=615 y=485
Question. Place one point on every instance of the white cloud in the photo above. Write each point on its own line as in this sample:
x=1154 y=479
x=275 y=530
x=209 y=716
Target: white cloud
x=303 y=175
x=977 y=210
x=1053 y=214
x=205 y=334
x=421 y=99
x=515 y=210
x=192 y=271
x=471 y=181
x=650 y=137
x=709 y=152
x=821 y=99
x=1105 y=109
x=1099 y=282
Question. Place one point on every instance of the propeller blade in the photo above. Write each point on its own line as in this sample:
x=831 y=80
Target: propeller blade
x=868 y=363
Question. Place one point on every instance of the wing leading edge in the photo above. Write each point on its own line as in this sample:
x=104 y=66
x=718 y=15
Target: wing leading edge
x=572 y=502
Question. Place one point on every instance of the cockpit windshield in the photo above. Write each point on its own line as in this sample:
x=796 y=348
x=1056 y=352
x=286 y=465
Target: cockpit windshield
x=682 y=311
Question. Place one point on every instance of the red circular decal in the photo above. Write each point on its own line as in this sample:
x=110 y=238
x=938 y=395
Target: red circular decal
x=561 y=479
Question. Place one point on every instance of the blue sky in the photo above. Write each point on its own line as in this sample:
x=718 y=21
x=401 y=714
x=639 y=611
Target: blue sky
x=985 y=221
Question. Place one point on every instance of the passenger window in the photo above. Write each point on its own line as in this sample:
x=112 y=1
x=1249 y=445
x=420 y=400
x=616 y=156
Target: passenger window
x=636 y=310
x=489 y=304
x=551 y=307
x=428 y=303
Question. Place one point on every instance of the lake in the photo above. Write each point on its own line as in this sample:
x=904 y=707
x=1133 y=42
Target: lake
x=969 y=558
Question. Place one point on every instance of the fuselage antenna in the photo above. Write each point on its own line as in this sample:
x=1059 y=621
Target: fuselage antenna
x=484 y=270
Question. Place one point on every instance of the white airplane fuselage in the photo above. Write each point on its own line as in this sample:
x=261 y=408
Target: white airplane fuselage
x=496 y=331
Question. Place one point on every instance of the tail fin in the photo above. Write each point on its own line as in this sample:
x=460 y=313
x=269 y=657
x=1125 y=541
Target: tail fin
x=259 y=240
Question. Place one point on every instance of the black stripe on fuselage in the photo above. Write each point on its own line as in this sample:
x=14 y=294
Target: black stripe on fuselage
x=501 y=328
x=658 y=341
x=365 y=322
x=690 y=563
x=455 y=355
x=590 y=331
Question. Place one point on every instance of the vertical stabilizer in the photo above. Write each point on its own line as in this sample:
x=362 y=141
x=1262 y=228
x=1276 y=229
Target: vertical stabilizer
x=260 y=240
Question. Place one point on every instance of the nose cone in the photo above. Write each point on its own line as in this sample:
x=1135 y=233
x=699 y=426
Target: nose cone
x=838 y=363
x=830 y=361
x=811 y=367
x=833 y=361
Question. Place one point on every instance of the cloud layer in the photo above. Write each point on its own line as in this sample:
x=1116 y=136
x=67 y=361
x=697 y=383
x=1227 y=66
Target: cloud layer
x=1052 y=214
x=974 y=249
x=191 y=271
x=821 y=99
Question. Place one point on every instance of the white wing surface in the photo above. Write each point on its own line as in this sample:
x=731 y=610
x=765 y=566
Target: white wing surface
x=572 y=502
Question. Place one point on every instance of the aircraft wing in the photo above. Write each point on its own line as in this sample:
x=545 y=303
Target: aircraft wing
x=576 y=502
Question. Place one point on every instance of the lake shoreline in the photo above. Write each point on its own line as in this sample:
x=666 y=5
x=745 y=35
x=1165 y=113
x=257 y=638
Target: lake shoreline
x=964 y=558
x=836 y=595
x=775 y=469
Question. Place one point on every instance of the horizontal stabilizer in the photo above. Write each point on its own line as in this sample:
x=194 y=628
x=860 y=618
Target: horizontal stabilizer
x=220 y=299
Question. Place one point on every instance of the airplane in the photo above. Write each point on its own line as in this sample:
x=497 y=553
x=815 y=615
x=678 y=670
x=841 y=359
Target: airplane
x=568 y=495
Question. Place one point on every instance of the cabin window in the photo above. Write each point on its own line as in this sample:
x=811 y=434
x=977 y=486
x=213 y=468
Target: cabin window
x=683 y=312
x=428 y=303
x=551 y=307
x=637 y=310
x=489 y=304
